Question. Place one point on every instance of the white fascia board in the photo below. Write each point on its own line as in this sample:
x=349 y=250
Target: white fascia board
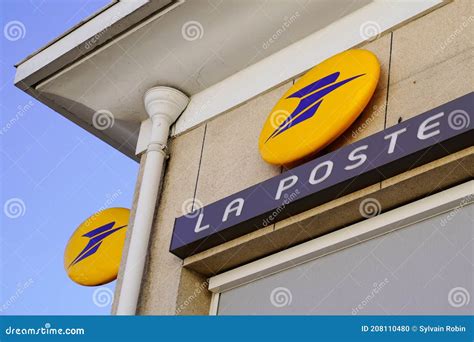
x=296 y=59
x=450 y=199
x=76 y=37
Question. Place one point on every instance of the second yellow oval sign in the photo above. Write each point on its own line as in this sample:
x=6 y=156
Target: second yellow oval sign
x=319 y=107
x=93 y=253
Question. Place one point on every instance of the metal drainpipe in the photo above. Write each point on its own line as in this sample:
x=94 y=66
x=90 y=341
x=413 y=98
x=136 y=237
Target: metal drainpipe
x=163 y=105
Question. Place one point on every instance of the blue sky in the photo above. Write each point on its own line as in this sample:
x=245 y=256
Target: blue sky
x=55 y=172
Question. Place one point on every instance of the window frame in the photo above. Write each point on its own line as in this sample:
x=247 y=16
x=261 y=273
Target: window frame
x=384 y=223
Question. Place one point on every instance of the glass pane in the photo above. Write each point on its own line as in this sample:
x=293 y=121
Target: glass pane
x=425 y=268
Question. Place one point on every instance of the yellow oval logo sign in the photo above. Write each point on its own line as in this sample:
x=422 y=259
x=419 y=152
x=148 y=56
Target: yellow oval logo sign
x=93 y=253
x=319 y=107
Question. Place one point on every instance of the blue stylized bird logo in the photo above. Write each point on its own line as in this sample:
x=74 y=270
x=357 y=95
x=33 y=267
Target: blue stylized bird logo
x=311 y=98
x=96 y=237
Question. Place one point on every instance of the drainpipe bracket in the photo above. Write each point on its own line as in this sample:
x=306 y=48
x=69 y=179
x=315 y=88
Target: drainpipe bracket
x=158 y=147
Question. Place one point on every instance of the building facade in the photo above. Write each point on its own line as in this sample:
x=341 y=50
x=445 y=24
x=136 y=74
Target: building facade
x=408 y=252
x=220 y=157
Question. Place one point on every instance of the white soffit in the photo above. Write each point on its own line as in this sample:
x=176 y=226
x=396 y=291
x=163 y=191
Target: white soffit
x=347 y=32
x=221 y=60
x=295 y=59
x=85 y=38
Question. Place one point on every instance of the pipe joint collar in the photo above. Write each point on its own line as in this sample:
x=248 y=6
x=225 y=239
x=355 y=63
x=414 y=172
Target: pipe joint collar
x=162 y=148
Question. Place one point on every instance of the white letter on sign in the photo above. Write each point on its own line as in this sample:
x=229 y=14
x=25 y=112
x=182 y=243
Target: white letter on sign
x=198 y=227
x=360 y=158
x=312 y=178
x=230 y=208
x=422 y=135
x=393 y=139
x=283 y=186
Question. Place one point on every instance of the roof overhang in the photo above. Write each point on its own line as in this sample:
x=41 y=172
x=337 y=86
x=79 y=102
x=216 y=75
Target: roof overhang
x=107 y=62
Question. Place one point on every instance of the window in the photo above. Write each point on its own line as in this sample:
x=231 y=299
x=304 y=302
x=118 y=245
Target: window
x=416 y=259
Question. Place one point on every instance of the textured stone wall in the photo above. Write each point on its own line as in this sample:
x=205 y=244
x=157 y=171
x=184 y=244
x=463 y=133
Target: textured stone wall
x=426 y=62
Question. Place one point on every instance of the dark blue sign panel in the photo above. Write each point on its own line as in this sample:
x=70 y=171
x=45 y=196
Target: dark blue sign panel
x=417 y=141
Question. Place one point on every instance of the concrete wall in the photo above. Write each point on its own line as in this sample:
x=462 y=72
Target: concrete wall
x=425 y=63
